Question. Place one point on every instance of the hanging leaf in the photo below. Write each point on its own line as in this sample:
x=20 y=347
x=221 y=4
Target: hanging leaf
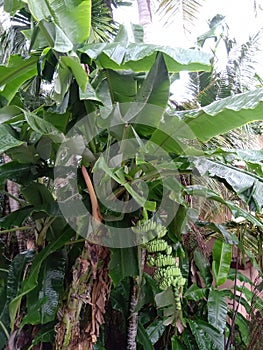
x=72 y=17
x=15 y=74
x=17 y=172
x=203 y=191
x=229 y=237
x=172 y=134
x=44 y=127
x=155 y=331
x=195 y=293
x=248 y=186
x=61 y=87
x=217 y=309
x=233 y=274
x=222 y=256
x=31 y=281
x=141 y=57
x=122 y=85
x=9 y=112
x=58 y=120
x=153 y=92
x=119 y=178
x=43 y=301
x=7 y=140
x=180 y=223
x=40 y=198
x=16 y=273
x=91 y=94
x=16 y=218
x=143 y=338
x=166 y=301
x=155 y=88
x=148 y=290
x=123 y=263
x=206 y=336
x=204 y=267
x=73 y=63
x=53 y=36
x=243 y=325
x=251 y=296
x=226 y=114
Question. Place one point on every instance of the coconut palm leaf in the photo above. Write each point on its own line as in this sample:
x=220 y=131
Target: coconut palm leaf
x=12 y=40
x=188 y=10
x=103 y=28
x=239 y=74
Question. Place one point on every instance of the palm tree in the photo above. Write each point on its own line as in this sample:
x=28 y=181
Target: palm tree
x=180 y=11
x=187 y=12
x=145 y=18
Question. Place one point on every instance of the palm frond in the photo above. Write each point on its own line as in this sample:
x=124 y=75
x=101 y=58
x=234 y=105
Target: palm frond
x=206 y=86
x=13 y=40
x=103 y=28
x=243 y=61
x=238 y=75
x=240 y=71
x=187 y=10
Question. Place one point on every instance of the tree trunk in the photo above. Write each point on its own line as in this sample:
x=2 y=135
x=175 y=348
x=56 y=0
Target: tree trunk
x=145 y=18
x=83 y=312
x=13 y=189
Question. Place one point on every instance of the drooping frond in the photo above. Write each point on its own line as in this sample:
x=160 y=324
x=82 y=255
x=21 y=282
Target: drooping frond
x=13 y=40
x=203 y=87
x=187 y=10
x=242 y=63
x=103 y=28
x=238 y=74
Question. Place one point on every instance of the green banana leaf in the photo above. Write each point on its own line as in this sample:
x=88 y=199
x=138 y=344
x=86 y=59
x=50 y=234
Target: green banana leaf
x=14 y=74
x=123 y=263
x=224 y=115
x=222 y=256
x=217 y=309
x=140 y=57
x=43 y=301
x=206 y=336
x=73 y=17
x=7 y=140
x=31 y=281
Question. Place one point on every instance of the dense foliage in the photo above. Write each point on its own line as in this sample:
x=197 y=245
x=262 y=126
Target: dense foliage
x=152 y=270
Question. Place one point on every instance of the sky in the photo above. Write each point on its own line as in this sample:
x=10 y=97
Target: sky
x=239 y=15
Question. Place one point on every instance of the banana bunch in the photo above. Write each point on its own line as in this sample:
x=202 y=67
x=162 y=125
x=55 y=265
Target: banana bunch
x=150 y=227
x=168 y=273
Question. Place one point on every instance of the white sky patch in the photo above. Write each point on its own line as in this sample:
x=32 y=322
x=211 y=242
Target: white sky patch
x=239 y=16
x=5 y=20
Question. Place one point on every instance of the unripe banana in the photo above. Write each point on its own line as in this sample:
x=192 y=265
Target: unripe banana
x=164 y=260
x=156 y=245
x=168 y=273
